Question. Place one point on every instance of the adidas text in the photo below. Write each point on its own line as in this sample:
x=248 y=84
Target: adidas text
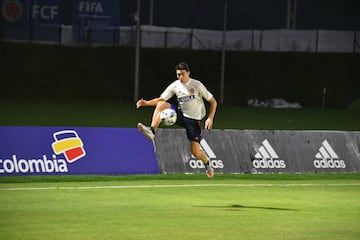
x=199 y=164
x=271 y=163
x=329 y=163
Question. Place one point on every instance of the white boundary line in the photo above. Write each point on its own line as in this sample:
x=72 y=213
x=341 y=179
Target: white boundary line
x=181 y=186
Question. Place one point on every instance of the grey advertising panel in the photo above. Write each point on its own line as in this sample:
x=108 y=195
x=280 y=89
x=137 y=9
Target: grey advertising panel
x=223 y=148
x=330 y=151
x=266 y=151
x=262 y=151
x=304 y=151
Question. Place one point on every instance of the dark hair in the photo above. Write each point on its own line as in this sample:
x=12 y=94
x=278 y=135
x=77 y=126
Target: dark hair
x=182 y=66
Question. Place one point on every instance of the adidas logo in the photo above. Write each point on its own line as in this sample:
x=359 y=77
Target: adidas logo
x=214 y=162
x=327 y=157
x=266 y=157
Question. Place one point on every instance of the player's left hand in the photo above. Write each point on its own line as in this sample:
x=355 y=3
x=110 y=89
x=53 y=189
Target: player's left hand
x=208 y=123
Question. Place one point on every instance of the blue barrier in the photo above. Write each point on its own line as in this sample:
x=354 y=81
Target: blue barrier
x=75 y=150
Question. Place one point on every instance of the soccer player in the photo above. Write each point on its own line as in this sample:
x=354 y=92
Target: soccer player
x=191 y=110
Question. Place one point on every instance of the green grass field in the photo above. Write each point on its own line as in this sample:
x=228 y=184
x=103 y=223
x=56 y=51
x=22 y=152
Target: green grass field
x=181 y=207
x=245 y=206
x=111 y=114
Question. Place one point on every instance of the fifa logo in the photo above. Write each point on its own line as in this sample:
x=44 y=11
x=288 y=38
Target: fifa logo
x=69 y=143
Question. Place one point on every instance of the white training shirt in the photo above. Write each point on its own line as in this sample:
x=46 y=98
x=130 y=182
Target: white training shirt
x=190 y=97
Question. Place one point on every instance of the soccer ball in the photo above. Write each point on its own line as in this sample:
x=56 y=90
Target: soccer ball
x=168 y=117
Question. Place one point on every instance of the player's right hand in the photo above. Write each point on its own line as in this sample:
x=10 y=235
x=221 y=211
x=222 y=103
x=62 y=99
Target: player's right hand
x=140 y=103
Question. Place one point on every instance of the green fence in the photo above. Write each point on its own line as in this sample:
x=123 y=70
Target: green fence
x=107 y=73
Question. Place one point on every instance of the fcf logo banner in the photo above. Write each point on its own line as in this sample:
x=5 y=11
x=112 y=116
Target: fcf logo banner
x=30 y=11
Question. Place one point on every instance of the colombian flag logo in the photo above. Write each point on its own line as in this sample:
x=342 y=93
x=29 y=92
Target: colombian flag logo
x=68 y=142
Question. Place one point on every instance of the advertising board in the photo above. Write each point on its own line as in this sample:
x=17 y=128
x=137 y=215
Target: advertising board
x=75 y=150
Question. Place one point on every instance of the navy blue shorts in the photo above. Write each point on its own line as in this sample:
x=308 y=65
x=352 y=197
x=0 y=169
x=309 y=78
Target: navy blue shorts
x=192 y=126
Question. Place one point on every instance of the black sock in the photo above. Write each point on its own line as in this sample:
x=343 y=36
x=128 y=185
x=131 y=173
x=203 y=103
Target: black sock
x=153 y=130
x=207 y=166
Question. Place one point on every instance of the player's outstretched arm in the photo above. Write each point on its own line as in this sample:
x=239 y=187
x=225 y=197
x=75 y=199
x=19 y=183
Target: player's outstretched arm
x=212 y=110
x=152 y=102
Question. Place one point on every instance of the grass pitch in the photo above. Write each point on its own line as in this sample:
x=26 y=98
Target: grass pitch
x=112 y=114
x=181 y=207
x=178 y=206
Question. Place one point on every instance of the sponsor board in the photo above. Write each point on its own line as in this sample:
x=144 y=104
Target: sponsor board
x=326 y=157
x=223 y=151
x=36 y=12
x=98 y=13
x=54 y=151
x=82 y=150
x=266 y=157
x=262 y=151
x=215 y=163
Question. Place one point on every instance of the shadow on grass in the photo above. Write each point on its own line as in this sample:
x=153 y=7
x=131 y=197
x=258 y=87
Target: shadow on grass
x=238 y=207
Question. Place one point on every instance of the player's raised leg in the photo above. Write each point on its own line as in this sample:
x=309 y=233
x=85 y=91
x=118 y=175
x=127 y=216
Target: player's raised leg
x=160 y=106
x=149 y=132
